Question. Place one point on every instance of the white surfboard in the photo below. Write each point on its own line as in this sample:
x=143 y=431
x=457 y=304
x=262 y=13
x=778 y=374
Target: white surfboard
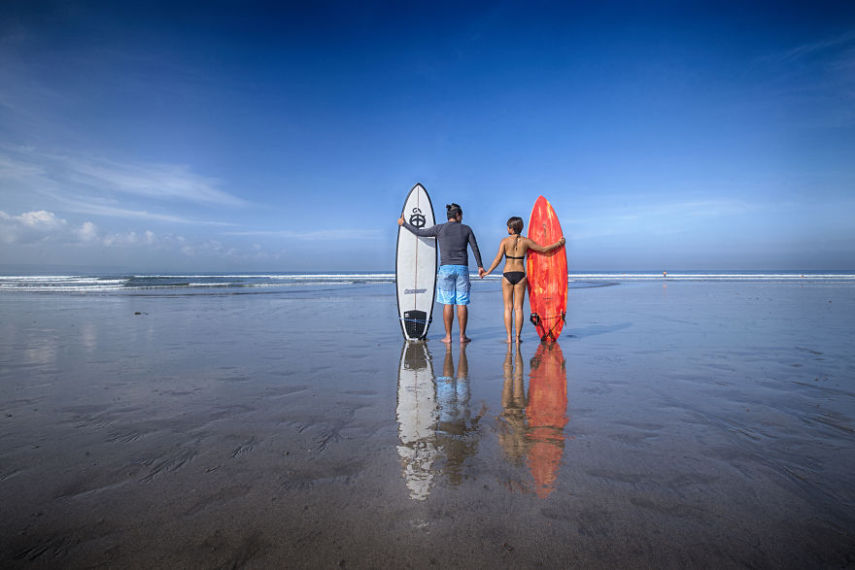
x=415 y=268
x=417 y=419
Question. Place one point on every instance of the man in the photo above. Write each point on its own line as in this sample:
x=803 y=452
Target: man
x=452 y=286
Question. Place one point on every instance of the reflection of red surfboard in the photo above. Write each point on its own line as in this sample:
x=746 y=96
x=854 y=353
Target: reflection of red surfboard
x=547 y=273
x=547 y=416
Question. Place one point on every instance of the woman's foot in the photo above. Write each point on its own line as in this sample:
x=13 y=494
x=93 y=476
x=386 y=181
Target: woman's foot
x=446 y=340
x=464 y=339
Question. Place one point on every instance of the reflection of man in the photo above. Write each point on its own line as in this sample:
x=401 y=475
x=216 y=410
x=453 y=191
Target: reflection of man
x=457 y=430
x=417 y=418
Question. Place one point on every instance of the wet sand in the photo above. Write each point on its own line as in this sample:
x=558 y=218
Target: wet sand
x=691 y=424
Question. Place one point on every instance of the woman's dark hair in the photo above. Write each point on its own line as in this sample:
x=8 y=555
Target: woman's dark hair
x=452 y=210
x=516 y=224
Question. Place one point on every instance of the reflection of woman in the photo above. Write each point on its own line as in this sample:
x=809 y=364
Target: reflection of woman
x=514 y=249
x=512 y=425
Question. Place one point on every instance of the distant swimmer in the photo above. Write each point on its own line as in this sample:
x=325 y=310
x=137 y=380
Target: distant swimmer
x=665 y=275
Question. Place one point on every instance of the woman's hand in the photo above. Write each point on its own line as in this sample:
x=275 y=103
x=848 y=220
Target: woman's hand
x=401 y=221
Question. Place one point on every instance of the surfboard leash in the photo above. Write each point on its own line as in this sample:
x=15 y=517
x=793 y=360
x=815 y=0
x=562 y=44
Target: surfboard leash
x=536 y=321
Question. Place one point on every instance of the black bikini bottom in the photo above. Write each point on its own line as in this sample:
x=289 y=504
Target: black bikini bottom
x=514 y=277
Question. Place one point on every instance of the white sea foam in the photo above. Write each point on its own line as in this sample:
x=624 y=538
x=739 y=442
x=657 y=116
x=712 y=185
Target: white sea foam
x=61 y=283
x=267 y=281
x=273 y=276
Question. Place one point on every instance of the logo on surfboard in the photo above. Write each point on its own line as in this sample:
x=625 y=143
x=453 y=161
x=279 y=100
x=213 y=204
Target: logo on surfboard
x=417 y=219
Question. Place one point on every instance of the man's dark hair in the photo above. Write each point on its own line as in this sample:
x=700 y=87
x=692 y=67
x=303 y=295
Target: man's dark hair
x=516 y=224
x=453 y=210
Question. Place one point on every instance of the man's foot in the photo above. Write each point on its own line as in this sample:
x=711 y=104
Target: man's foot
x=464 y=339
x=446 y=340
x=509 y=340
x=519 y=340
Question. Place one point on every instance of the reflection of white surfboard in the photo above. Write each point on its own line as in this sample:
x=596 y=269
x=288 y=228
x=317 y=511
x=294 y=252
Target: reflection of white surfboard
x=415 y=267
x=417 y=418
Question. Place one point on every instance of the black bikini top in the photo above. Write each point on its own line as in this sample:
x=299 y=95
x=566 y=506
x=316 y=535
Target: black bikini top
x=517 y=236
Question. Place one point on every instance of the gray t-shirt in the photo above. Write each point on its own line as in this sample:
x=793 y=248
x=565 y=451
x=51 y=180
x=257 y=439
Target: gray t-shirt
x=452 y=238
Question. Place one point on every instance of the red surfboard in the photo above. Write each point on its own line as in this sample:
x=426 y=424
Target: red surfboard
x=547 y=273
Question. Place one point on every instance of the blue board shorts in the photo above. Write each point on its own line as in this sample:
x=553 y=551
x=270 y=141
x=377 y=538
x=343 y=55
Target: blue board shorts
x=452 y=285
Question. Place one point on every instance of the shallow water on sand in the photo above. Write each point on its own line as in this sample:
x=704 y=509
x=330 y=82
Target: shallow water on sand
x=689 y=424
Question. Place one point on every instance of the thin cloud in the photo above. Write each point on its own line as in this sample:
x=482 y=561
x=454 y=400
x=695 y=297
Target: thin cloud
x=808 y=49
x=89 y=186
x=159 y=181
x=339 y=234
x=655 y=219
x=21 y=171
x=681 y=209
x=815 y=79
x=699 y=208
x=112 y=211
x=164 y=182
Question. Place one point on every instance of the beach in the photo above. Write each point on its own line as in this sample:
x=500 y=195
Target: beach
x=705 y=423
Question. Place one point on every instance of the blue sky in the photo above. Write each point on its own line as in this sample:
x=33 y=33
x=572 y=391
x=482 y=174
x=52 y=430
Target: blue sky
x=242 y=136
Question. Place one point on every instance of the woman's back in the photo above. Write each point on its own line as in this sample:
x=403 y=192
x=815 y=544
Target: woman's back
x=515 y=248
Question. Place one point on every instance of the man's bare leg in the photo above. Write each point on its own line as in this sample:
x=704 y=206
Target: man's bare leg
x=462 y=318
x=448 y=320
x=448 y=363
x=462 y=365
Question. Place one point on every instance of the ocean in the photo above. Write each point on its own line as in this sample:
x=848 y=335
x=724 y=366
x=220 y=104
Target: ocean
x=219 y=283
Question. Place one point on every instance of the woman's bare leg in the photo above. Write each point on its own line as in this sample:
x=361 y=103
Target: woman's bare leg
x=519 y=300
x=508 y=298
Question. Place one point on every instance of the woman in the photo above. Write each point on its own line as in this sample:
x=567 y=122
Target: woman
x=514 y=248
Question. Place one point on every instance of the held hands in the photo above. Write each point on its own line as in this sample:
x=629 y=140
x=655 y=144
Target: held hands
x=482 y=273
